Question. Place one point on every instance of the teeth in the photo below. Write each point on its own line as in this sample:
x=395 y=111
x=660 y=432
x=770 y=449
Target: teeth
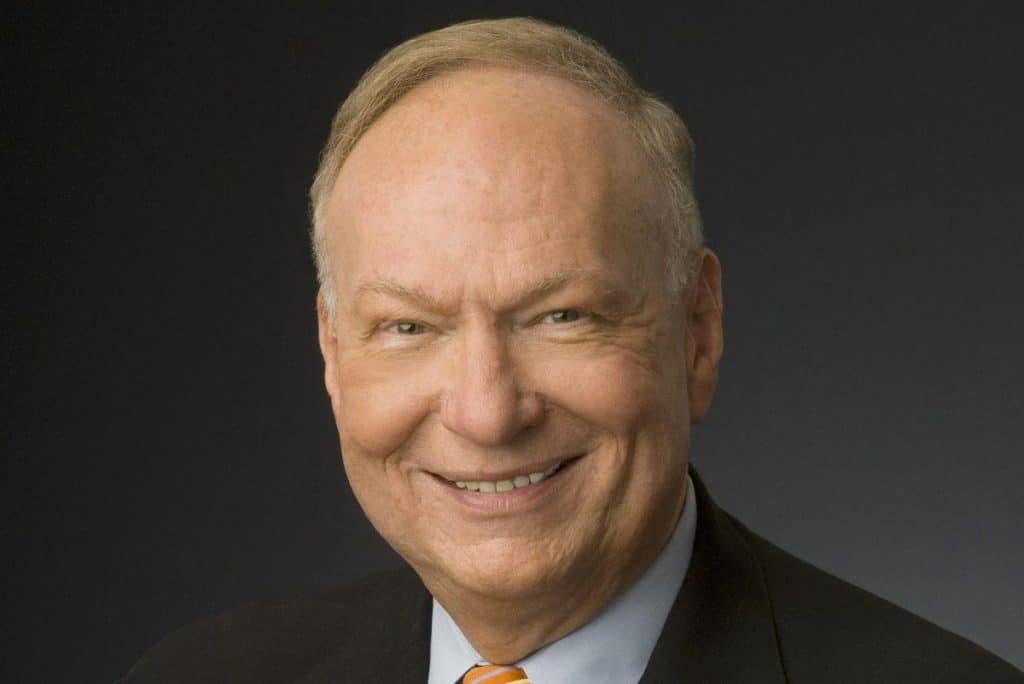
x=507 y=485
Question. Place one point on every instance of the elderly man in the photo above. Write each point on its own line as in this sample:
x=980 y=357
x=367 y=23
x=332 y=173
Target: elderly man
x=520 y=324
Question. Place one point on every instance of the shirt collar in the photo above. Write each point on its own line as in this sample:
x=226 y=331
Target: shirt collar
x=612 y=648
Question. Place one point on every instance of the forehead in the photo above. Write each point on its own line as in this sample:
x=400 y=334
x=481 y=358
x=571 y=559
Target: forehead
x=490 y=162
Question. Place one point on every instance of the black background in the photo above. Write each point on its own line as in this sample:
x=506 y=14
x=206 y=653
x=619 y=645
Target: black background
x=169 y=450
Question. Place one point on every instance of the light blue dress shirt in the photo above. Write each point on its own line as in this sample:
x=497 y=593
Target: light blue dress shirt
x=612 y=648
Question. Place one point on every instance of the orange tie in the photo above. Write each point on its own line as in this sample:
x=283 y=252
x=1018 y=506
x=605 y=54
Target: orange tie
x=494 y=674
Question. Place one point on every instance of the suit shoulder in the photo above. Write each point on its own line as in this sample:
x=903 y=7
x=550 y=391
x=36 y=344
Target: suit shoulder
x=831 y=631
x=277 y=641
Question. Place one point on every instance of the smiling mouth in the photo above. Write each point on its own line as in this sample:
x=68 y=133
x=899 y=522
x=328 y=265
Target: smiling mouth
x=518 y=482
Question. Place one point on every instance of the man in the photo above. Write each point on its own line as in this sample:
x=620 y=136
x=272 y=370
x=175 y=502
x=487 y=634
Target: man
x=519 y=324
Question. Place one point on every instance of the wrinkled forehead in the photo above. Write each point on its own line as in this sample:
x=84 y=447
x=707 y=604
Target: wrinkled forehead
x=494 y=157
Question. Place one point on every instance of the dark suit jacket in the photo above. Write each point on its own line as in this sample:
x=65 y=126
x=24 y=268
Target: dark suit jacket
x=747 y=612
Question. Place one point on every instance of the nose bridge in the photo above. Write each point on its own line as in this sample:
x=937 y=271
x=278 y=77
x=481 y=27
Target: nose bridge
x=485 y=402
x=487 y=361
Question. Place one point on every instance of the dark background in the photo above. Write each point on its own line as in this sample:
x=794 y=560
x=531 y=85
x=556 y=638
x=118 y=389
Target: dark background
x=169 y=450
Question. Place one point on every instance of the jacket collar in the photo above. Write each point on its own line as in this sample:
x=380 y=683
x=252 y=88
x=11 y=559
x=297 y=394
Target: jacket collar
x=721 y=628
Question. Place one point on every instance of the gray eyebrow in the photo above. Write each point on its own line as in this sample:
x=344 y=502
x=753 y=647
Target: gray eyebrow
x=393 y=289
x=532 y=292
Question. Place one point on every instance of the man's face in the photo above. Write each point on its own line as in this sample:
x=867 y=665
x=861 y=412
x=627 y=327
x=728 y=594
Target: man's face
x=502 y=314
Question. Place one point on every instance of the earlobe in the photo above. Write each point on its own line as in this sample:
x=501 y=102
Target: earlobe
x=704 y=336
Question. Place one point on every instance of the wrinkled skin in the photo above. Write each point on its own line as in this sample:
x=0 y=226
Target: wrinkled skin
x=501 y=306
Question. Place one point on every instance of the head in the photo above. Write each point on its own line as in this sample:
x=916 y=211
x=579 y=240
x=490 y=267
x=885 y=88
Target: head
x=514 y=295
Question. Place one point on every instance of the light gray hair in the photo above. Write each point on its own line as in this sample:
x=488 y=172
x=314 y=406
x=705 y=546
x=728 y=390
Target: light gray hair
x=530 y=45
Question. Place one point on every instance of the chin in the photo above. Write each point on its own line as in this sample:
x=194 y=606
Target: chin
x=509 y=573
x=512 y=584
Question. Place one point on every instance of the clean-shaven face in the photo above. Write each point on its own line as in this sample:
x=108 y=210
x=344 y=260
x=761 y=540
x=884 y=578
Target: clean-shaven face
x=505 y=366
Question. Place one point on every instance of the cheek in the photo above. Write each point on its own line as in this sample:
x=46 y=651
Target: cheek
x=614 y=391
x=381 y=404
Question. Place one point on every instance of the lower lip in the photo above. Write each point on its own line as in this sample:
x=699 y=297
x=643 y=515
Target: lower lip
x=512 y=501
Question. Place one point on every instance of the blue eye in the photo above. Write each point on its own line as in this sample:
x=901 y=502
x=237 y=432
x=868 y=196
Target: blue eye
x=564 y=316
x=408 y=328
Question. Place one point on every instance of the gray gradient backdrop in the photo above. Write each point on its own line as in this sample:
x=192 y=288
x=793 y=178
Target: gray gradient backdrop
x=168 y=447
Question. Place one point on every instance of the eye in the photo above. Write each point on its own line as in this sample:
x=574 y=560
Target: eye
x=563 y=316
x=407 y=328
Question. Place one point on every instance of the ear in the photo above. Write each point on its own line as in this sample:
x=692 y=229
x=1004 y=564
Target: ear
x=704 y=338
x=328 y=337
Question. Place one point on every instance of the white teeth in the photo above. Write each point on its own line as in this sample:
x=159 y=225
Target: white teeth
x=507 y=485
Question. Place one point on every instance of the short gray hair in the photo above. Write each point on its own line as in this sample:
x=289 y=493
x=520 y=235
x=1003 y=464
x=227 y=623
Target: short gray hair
x=530 y=45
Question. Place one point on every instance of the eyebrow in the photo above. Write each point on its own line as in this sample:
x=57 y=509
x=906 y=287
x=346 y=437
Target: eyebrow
x=392 y=289
x=536 y=290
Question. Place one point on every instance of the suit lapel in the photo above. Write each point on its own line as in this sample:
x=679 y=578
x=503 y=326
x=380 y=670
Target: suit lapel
x=720 y=628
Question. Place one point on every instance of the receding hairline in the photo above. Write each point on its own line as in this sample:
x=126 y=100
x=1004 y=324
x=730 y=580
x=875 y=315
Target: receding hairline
x=450 y=80
x=525 y=45
x=451 y=73
x=569 y=113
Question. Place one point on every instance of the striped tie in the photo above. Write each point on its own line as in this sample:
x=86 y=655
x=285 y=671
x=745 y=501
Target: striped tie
x=494 y=674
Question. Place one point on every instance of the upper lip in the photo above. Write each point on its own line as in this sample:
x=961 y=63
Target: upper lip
x=495 y=475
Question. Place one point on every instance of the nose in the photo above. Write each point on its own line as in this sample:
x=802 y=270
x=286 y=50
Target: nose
x=484 y=402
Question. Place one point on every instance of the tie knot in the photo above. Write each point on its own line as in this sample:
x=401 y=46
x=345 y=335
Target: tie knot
x=494 y=674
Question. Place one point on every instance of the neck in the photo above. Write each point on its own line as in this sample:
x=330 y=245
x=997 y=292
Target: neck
x=504 y=631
